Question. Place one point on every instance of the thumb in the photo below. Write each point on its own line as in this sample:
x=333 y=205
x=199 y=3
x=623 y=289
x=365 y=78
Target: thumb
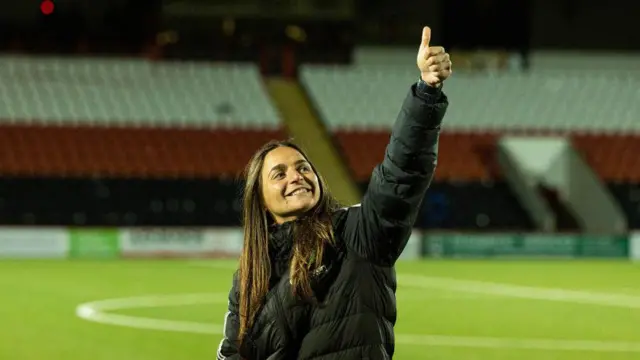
x=426 y=36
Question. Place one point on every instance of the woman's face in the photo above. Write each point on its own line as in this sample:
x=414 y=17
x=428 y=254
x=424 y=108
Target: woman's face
x=289 y=185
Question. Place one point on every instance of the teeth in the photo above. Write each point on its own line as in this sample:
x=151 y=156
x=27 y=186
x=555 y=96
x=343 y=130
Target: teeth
x=298 y=191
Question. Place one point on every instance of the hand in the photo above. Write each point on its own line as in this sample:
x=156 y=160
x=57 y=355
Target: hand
x=433 y=61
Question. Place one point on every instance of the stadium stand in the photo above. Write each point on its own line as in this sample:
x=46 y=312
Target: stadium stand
x=160 y=143
x=468 y=190
x=142 y=143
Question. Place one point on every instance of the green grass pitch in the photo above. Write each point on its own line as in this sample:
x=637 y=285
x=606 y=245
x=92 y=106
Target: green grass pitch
x=501 y=309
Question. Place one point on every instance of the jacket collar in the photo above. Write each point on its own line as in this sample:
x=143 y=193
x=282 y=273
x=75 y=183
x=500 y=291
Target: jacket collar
x=281 y=240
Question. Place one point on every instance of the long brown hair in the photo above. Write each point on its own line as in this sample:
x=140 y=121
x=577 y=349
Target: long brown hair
x=310 y=234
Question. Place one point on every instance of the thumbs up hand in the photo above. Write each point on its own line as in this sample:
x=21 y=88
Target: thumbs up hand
x=433 y=61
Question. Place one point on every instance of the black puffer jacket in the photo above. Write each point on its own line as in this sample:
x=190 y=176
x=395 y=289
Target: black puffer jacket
x=357 y=285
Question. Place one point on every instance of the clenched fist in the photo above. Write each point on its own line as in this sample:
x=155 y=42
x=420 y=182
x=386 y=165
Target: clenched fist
x=433 y=61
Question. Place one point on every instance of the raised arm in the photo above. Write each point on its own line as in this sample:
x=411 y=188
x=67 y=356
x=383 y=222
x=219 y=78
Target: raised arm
x=228 y=348
x=379 y=228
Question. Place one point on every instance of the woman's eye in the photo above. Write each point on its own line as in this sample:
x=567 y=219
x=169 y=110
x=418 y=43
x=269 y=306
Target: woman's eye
x=304 y=168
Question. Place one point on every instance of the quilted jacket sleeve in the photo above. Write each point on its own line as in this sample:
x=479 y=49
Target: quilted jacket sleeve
x=379 y=228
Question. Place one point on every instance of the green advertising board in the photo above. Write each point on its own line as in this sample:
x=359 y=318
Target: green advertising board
x=93 y=243
x=524 y=245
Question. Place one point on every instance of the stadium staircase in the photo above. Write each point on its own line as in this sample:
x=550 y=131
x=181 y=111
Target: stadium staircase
x=302 y=123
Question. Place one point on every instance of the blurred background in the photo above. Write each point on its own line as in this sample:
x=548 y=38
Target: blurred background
x=124 y=125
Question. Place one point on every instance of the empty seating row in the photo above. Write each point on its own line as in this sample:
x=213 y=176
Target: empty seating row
x=553 y=101
x=464 y=156
x=127 y=152
x=471 y=156
x=133 y=92
x=190 y=152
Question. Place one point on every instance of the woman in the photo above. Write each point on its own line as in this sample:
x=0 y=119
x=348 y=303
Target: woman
x=317 y=281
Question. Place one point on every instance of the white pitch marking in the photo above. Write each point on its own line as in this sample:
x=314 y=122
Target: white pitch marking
x=518 y=291
x=523 y=343
x=95 y=311
x=501 y=289
x=90 y=314
x=137 y=302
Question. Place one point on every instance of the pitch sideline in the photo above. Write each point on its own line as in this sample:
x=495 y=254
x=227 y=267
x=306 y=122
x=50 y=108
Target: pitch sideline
x=520 y=291
x=98 y=312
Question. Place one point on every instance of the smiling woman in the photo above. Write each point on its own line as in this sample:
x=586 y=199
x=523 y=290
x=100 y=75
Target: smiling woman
x=316 y=280
x=282 y=188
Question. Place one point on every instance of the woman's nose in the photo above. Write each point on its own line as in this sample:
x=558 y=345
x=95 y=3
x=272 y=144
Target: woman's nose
x=296 y=176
